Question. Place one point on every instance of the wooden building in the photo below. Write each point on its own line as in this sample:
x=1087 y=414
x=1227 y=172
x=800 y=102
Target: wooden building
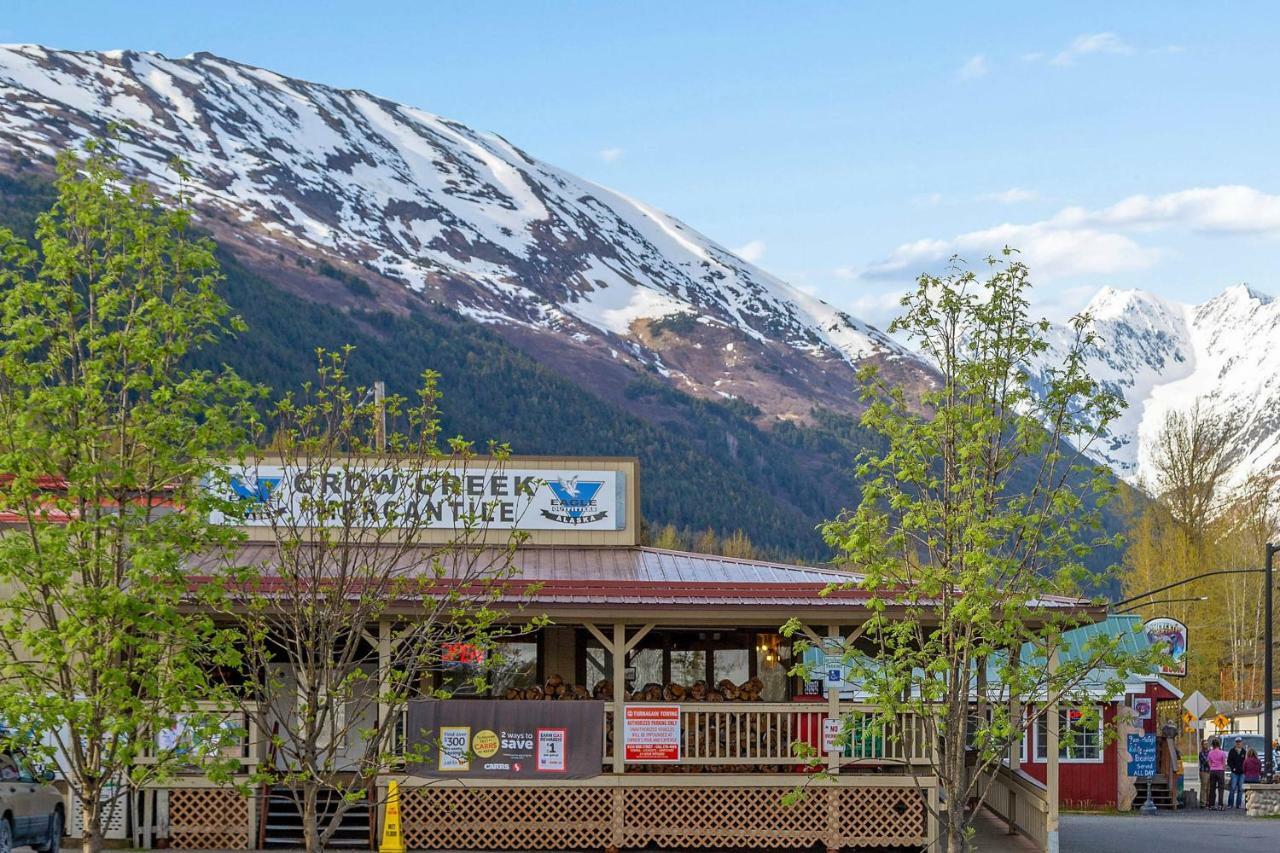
x=703 y=630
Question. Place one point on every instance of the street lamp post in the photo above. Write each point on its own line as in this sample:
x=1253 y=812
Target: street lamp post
x=1268 y=765
x=1268 y=639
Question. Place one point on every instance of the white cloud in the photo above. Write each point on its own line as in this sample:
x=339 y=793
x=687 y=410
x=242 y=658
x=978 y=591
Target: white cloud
x=973 y=68
x=1049 y=250
x=1231 y=209
x=928 y=200
x=876 y=308
x=610 y=155
x=1082 y=45
x=1078 y=241
x=751 y=252
x=1013 y=195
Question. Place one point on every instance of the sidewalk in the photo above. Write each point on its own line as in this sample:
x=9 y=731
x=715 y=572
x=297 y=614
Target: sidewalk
x=994 y=837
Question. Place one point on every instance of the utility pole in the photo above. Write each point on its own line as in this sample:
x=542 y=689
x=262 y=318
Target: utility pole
x=379 y=403
x=1268 y=699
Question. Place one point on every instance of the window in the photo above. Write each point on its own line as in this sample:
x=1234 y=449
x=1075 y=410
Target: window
x=688 y=666
x=731 y=664
x=513 y=666
x=507 y=665
x=1079 y=735
x=644 y=666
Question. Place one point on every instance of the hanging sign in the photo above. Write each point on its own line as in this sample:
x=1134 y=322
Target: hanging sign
x=1142 y=755
x=1172 y=634
x=1142 y=707
x=651 y=734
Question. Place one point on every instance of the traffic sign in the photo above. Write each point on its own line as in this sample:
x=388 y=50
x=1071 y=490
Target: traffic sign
x=1197 y=704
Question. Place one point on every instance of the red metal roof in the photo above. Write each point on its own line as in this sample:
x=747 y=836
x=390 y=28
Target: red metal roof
x=623 y=576
x=634 y=576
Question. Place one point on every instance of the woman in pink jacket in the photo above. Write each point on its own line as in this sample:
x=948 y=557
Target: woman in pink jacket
x=1217 y=774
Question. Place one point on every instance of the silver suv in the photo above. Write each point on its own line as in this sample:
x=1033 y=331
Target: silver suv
x=31 y=809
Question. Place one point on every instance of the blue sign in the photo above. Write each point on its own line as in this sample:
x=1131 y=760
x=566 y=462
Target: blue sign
x=834 y=668
x=1142 y=755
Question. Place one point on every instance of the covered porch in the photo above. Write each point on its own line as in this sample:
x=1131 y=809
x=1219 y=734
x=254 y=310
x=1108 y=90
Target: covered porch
x=635 y=630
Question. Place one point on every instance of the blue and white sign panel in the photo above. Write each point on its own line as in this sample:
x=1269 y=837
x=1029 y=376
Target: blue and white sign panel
x=1142 y=755
x=443 y=498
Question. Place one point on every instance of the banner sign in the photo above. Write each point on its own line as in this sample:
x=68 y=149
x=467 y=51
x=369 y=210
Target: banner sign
x=498 y=498
x=1172 y=634
x=1142 y=755
x=491 y=739
x=651 y=734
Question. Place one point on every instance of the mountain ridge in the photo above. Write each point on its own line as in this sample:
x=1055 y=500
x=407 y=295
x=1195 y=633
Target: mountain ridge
x=394 y=194
x=1164 y=356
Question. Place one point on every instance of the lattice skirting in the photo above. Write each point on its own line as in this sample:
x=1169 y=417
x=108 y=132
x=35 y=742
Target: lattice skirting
x=208 y=819
x=562 y=818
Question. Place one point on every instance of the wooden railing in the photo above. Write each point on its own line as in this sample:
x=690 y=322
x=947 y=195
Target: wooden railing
x=763 y=733
x=1020 y=799
x=245 y=749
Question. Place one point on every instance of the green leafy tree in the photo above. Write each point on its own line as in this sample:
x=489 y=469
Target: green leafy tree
x=363 y=599
x=973 y=512
x=103 y=433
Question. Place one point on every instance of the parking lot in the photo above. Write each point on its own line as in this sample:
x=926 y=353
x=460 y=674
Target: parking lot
x=1169 y=832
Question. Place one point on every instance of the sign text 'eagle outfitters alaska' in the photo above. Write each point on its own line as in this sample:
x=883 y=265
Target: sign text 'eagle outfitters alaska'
x=446 y=498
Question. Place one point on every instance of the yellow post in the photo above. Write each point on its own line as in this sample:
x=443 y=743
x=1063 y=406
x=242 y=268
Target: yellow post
x=392 y=837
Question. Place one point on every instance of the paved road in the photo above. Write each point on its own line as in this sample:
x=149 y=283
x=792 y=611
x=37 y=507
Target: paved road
x=1194 y=832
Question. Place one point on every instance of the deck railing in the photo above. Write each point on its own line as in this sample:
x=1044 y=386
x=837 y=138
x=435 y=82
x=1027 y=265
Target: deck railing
x=1020 y=800
x=239 y=743
x=767 y=733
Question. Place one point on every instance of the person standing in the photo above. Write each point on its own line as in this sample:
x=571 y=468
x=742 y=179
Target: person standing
x=1252 y=767
x=1204 y=774
x=1217 y=767
x=1235 y=762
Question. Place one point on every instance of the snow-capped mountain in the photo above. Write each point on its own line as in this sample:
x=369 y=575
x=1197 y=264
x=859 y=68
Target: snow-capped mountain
x=415 y=202
x=1163 y=356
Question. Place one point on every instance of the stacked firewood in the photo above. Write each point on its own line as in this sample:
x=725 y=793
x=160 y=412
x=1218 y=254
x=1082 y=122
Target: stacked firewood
x=554 y=688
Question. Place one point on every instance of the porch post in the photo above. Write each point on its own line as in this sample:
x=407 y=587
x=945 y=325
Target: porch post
x=619 y=694
x=1051 y=767
x=833 y=697
x=384 y=710
x=1015 y=744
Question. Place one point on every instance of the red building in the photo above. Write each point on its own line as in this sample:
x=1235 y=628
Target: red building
x=1092 y=761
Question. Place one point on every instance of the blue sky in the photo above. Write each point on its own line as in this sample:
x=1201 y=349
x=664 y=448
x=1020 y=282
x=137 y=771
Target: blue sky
x=843 y=146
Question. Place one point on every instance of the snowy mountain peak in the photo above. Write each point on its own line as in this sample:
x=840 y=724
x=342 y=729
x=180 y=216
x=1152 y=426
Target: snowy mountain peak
x=1111 y=304
x=1162 y=357
x=461 y=215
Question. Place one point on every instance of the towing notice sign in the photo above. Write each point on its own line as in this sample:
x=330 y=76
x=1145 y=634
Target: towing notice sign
x=651 y=733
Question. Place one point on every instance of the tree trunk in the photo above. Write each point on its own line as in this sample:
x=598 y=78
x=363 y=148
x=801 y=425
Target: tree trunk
x=311 y=817
x=91 y=805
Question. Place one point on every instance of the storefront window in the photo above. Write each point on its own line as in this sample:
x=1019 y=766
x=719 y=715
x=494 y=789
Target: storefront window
x=773 y=659
x=1079 y=735
x=513 y=665
x=507 y=666
x=733 y=664
x=688 y=666
x=644 y=666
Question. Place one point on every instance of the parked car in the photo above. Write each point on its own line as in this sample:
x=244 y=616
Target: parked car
x=31 y=808
x=1250 y=742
